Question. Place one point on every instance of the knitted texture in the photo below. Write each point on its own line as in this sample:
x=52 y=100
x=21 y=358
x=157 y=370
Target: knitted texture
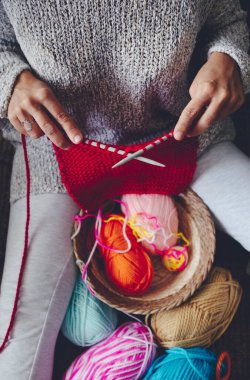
x=89 y=178
x=122 y=69
x=204 y=317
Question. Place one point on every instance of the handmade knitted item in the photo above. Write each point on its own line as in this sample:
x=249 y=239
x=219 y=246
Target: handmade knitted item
x=89 y=178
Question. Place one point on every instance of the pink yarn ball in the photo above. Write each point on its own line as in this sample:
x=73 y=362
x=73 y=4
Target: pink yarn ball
x=126 y=354
x=161 y=207
x=175 y=259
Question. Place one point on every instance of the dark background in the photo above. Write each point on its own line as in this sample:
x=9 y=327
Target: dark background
x=242 y=117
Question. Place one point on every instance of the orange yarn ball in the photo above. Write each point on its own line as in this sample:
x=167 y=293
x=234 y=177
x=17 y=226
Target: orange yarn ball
x=131 y=272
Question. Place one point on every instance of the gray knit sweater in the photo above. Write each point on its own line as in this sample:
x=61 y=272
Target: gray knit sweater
x=121 y=68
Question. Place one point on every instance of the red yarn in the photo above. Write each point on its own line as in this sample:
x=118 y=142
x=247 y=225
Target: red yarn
x=88 y=176
x=25 y=249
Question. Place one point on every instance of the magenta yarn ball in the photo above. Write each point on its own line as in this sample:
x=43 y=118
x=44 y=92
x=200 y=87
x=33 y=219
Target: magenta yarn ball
x=126 y=354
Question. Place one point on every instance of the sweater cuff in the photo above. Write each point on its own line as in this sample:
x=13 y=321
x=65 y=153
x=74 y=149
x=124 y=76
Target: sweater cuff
x=11 y=65
x=240 y=57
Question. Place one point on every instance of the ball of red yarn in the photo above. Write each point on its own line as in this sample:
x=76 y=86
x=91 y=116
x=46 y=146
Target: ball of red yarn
x=131 y=272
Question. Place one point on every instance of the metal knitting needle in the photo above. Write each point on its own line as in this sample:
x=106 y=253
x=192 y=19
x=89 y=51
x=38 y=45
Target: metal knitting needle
x=138 y=153
x=122 y=152
x=146 y=160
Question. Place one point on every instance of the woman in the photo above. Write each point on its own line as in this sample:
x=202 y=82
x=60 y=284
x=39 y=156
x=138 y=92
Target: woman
x=117 y=72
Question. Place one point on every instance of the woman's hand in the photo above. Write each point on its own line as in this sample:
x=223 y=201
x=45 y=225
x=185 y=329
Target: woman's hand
x=32 y=108
x=216 y=92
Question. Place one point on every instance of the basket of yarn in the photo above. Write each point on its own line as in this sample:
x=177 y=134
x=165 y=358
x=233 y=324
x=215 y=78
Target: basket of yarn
x=159 y=288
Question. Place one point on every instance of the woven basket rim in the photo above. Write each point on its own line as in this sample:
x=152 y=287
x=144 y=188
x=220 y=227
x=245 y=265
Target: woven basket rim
x=192 y=204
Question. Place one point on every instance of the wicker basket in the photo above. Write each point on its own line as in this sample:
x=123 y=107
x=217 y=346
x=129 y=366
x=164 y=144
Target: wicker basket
x=168 y=289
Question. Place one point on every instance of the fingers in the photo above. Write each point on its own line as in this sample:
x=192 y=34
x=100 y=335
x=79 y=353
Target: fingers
x=219 y=108
x=215 y=92
x=37 y=123
x=48 y=128
x=34 y=111
x=17 y=125
x=188 y=117
x=210 y=115
x=50 y=102
x=201 y=112
x=26 y=124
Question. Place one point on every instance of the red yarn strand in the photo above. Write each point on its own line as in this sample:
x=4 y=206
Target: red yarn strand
x=25 y=249
x=224 y=357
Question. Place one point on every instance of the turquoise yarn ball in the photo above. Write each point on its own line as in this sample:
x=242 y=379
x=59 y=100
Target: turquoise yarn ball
x=87 y=319
x=195 y=363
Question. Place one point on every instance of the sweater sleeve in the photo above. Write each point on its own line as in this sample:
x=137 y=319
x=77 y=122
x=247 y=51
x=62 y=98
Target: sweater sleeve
x=226 y=31
x=12 y=61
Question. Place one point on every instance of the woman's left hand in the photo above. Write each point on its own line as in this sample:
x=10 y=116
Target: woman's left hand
x=216 y=92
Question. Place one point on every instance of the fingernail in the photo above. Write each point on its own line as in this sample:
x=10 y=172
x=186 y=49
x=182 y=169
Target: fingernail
x=179 y=135
x=77 y=139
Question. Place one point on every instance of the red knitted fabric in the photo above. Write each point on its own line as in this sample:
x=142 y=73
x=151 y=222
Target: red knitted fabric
x=88 y=176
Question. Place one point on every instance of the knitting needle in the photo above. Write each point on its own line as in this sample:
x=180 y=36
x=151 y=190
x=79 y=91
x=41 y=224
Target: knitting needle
x=122 y=152
x=146 y=160
x=138 y=153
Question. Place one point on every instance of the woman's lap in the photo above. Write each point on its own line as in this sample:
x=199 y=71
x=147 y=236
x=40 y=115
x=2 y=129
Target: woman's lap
x=222 y=180
x=47 y=284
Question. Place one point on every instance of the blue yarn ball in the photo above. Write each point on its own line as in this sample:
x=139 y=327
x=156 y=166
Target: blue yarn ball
x=194 y=363
x=87 y=319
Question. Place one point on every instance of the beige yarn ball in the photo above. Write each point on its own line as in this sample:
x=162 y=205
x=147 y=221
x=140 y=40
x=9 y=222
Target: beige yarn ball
x=203 y=318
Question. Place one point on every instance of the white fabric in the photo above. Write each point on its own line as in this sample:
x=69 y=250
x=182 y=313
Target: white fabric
x=222 y=180
x=47 y=285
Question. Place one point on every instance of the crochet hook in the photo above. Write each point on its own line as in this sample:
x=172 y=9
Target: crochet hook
x=122 y=152
x=139 y=152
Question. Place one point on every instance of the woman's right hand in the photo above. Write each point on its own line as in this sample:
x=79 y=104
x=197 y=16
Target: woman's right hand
x=30 y=109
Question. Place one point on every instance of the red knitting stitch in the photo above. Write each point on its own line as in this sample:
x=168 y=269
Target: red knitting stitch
x=88 y=176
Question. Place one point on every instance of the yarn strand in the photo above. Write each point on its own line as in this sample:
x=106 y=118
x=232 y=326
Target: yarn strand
x=25 y=249
x=224 y=357
x=125 y=220
x=79 y=219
